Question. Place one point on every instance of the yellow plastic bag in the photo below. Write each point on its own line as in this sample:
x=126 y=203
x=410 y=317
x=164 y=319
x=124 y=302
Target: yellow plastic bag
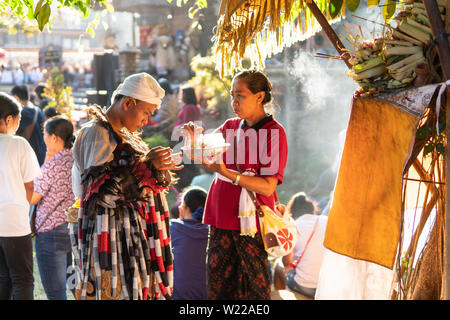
x=279 y=233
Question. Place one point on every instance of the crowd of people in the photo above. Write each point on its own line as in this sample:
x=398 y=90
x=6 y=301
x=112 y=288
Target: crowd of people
x=126 y=241
x=75 y=76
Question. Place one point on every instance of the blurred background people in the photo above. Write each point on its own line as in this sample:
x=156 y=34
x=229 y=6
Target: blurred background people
x=31 y=122
x=190 y=110
x=204 y=179
x=41 y=101
x=167 y=113
x=302 y=266
x=50 y=112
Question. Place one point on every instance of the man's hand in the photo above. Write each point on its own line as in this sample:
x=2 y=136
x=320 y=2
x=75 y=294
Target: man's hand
x=162 y=160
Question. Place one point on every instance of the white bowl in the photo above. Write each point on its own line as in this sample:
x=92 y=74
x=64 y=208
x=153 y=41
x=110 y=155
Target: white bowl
x=198 y=155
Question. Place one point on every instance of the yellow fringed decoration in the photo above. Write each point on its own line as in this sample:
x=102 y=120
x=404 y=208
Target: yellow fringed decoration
x=241 y=23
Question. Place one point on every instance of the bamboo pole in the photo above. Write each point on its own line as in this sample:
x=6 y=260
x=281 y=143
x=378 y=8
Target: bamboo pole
x=331 y=34
x=439 y=34
x=438 y=30
x=446 y=262
x=427 y=208
x=446 y=283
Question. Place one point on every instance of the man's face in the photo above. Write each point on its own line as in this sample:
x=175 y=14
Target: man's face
x=137 y=113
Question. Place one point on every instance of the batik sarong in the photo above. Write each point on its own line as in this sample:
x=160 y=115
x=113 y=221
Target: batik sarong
x=238 y=268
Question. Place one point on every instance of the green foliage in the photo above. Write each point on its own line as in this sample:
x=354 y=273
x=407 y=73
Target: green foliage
x=59 y=95
x=157 y=140
x=212 y=88
x=40 y=12
x=423 y=132
x=14 y=24
x=195 y=11
x=389 y=9
x=435 y=145
x=352 y=5
x=335 y=7
x=372 y=3
x=434 y=142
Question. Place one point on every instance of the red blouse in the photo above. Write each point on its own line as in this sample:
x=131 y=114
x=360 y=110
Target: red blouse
x=261 y=149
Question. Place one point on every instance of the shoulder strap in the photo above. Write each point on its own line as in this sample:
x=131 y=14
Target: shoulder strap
x=48 y=215
x=307 y=242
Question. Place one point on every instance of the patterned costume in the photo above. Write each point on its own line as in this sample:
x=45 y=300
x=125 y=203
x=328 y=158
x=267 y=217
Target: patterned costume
x=122 y=243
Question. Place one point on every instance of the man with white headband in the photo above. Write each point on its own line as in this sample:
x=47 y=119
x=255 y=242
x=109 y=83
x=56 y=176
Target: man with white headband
x=122 y=246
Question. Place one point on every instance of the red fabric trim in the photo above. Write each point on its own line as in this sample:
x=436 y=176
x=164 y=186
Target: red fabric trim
x=160 y=262
x=153 y=253
x=104 y=243
x=162 y=288
x=145 y=293
x=93 y=188
x=152 y=215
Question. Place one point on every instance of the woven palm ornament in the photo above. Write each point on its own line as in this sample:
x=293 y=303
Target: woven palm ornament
x=258 y=29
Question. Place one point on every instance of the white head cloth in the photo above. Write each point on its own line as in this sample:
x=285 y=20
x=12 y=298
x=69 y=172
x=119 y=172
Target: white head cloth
x=140 y=86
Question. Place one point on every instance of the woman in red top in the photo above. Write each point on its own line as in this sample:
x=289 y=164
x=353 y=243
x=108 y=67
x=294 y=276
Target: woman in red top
x=237 y=261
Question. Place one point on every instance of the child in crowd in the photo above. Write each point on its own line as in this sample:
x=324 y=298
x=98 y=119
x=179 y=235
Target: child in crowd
x=189 y=241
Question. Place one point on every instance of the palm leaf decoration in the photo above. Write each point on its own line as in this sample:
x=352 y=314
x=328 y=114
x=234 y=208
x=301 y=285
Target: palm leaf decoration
x=259 y=29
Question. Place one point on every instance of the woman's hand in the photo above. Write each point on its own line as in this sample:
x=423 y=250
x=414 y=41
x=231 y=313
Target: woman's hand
x=214 y=165
x=161 y=159
x=262 y=185
x=36 y=197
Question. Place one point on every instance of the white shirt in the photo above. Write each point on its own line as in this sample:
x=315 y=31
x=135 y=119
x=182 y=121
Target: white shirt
x=18 y=165
x=307 y=271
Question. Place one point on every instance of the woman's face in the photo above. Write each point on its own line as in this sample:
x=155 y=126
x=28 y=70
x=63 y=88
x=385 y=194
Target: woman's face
x=49 y=139
x=244 y=102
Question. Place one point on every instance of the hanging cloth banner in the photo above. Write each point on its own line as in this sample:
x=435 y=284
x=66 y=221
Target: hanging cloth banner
x=364 y=220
